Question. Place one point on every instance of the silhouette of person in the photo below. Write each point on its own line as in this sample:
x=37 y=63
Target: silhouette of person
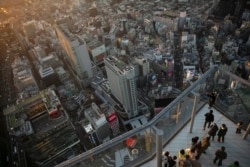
x=221 y=133
x=212 y=98
x=220 y=155
x=194 y=140
x=172 y=161
x=213 y=129
x=209 y=118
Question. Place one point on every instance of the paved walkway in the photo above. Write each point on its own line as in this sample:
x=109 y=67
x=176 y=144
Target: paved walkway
x=236 y=147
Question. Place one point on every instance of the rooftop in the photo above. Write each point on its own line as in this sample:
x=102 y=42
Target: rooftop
x=120 y=65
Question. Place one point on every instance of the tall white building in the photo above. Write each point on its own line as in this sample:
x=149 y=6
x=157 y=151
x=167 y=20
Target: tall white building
x=122 y=82
x=144 y=65
x=77 y=53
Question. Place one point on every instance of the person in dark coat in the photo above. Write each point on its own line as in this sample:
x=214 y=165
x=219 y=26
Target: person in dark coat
x=221 y=133
x=212 y=98
x=220 y=155
x=172 y=161
x=194 y=140
x=198 y=150
x=213 y=129
x=209 y=118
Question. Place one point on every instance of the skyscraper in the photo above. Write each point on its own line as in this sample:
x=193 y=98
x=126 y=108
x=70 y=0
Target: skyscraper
x=121 y=77
x=77 y=53
x=30 y=29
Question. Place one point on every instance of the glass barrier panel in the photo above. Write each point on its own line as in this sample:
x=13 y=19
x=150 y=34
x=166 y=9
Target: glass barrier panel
x=233 y=95
x=130 y=149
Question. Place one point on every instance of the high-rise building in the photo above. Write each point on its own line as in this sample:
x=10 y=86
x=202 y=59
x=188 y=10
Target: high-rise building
x=178 y=64
x=77 y=53
x=49 y=77
x=144 y=65
x=30 y=29
x=121 y=77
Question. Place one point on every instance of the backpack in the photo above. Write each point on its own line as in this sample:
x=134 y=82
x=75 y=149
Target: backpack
x=211 y=117
x=224 y=155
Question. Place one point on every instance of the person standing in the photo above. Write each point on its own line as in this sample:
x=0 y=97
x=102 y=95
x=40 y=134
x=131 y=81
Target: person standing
x=194 y=141
x=221 y=133
x=212 y=98
x=172 y=161
x=213 y=129
x=205 y=143
x=209 y=118
x=165 y=159
x=181 y=154
x=239 y=127
x=220 y=155
x=198 y=150
x=185 y=162
x=192 y=153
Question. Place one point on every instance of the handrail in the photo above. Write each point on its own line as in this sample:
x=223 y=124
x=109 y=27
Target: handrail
x=235 y=77
x=182 y=95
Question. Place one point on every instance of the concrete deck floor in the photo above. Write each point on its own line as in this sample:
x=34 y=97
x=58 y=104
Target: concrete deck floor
x=236 y=147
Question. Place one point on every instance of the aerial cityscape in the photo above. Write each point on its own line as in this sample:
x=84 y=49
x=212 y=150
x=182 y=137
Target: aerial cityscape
x=80 y=78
